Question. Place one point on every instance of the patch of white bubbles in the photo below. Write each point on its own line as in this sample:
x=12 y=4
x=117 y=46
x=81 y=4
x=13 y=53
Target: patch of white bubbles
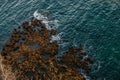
x=50 y=24
x=56 y=37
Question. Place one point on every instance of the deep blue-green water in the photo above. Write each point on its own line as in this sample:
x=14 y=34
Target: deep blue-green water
x=93 y=23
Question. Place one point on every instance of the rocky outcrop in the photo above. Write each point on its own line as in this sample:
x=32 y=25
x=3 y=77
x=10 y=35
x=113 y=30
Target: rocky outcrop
x=30 y=55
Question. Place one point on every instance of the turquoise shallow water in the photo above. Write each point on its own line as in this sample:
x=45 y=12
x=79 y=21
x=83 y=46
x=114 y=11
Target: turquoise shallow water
x=93 y=23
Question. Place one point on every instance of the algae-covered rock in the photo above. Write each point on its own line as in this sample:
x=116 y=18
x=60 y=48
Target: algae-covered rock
x=30 y=55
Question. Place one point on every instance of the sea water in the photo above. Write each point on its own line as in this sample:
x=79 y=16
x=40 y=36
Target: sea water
x=93 y=23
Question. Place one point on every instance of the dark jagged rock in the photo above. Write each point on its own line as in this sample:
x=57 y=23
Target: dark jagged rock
x=29 y=55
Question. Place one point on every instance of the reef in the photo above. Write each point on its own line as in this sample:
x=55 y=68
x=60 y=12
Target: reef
x=31 y=55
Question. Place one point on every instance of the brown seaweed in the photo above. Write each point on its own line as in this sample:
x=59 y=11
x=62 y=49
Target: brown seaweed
x=29 y=55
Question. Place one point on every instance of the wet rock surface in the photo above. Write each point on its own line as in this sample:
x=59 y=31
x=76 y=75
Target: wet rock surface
x=32 y=56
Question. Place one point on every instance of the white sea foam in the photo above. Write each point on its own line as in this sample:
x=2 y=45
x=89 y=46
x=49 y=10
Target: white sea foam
x=49 y=24
x=53 y=24
x=55 y=38
x=56 y=23
x=39 y=16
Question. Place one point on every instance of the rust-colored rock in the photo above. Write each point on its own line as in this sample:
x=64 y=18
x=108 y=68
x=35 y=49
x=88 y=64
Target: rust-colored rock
x=31 y=56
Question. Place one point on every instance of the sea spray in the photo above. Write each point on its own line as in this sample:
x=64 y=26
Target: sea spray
x=39 y=16
x=57 y=37
x=53 y=24
x=49 y=24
